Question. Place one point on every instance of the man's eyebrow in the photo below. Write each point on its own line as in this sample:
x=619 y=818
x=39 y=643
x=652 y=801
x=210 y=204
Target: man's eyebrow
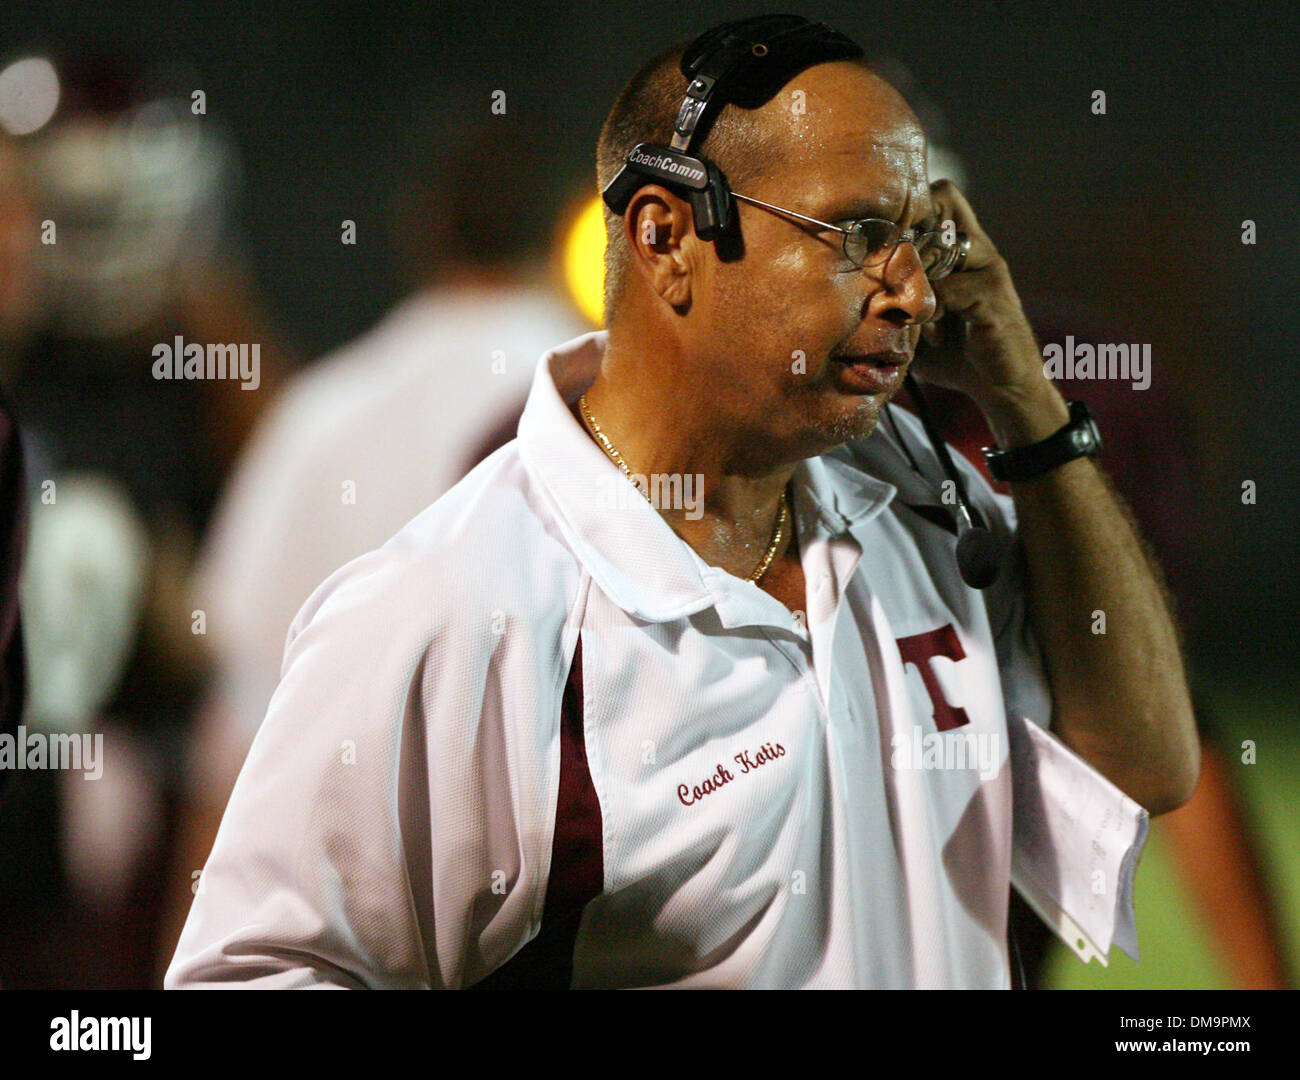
x=856 y=209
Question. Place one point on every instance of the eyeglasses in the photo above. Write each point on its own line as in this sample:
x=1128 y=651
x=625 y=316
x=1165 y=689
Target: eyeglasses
x=871 y=241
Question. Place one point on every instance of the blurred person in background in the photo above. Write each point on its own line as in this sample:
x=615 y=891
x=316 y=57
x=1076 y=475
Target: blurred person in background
x=130 y=246
x=374 y=432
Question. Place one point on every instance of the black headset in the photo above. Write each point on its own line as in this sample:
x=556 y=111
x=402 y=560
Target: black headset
x=745 y=62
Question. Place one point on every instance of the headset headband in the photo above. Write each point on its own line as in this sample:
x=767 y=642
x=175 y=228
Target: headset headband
x=744 y=62
x=748 y=60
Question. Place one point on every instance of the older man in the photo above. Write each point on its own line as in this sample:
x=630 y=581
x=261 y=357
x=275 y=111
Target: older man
x=549 y=736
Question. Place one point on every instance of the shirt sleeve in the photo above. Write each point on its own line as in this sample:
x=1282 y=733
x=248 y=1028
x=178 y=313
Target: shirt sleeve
x=309 y=883
x=391 y=827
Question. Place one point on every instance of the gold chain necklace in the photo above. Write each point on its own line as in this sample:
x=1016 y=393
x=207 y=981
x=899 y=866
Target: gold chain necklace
x=782 y=513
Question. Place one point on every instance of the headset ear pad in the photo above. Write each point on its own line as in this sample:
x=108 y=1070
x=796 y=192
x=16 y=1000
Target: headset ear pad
x=712 y=205
x=717 y=221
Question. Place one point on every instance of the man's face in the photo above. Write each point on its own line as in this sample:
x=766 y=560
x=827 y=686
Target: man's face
x=773 y=323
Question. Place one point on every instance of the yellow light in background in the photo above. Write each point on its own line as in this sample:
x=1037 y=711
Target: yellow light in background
x=584 y=261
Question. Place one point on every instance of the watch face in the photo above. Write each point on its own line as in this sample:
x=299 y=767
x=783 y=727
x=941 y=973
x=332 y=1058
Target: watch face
x=1094 y=436
x=1085 y=437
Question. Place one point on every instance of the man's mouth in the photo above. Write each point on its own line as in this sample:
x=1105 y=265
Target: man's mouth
x=870 y=373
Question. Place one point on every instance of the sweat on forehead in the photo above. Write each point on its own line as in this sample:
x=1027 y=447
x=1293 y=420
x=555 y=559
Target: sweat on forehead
x=840 y=108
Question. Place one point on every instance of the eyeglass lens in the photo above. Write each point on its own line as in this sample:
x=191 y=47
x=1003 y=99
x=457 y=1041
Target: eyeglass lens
x=871 y=242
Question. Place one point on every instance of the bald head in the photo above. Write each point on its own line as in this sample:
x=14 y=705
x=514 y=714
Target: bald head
x=745 y=144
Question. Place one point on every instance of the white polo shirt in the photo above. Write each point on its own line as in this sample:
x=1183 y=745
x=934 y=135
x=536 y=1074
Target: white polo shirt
x=535 y=740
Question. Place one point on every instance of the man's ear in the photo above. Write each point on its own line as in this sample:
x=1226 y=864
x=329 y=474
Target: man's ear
x=660 y=230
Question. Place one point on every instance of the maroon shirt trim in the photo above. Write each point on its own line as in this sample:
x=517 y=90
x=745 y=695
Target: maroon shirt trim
x=577 y=862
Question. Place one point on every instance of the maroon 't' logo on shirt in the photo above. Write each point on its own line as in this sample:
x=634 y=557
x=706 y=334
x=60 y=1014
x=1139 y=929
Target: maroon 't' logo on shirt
x=919 y=650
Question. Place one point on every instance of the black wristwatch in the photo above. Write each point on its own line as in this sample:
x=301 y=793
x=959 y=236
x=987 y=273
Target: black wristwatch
x=1078 y=438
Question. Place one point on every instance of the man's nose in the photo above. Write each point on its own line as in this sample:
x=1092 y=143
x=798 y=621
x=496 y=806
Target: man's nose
x=906 y=297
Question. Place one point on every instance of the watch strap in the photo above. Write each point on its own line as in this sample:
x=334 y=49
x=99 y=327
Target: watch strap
x=1079 y=438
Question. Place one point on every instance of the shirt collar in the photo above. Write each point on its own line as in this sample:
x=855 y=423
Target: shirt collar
x=631 y=552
